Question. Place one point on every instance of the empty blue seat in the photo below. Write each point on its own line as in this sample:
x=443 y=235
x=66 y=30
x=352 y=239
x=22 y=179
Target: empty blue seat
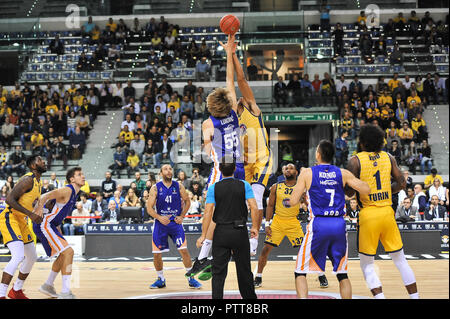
x=93 y=75
x=55 y=76
x=80 y=76
x=42 y=76
x=175 y=73
x=40 y=58
x=52 y=58
x=382 y=69
x=342 y=69
x=390 y=42
x=341 y=60
x=68 y=76
x=59 y=66
x=355 y=60
x=397 y=68
x=381 y=59
x=35 y=67
x=356 y=69
x=189 y=73
x=30 y=76
x=106 y=75
x=47 y=67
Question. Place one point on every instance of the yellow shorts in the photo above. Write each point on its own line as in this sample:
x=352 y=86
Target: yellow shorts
x=289 y=228
x=378 y=224
x=259 y=172
x=14 y=227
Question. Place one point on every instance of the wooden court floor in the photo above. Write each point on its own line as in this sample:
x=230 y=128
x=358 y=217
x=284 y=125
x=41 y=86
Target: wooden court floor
x=111 y=280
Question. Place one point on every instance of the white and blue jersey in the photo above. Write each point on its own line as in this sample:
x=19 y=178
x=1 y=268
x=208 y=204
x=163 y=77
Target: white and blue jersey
x=226 y=142
x=48 y=233
x=326 y=232
x=168 y=203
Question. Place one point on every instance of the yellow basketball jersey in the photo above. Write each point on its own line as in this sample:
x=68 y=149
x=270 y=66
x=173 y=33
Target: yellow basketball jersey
x=282 y=207
x=254 y=137
x=376 y=171
x=30 y=198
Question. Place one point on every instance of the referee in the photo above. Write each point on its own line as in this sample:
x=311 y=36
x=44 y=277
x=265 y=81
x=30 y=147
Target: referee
x=228 y=199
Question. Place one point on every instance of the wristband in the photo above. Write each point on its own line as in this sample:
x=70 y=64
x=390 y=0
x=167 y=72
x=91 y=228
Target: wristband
x=267 y=223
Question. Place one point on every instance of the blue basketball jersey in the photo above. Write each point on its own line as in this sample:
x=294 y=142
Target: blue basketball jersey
x=168 y=200
x=326 y=194
x=58 y=212
x=227 y=143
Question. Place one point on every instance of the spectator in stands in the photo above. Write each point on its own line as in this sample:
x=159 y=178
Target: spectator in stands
x=436 y=210
x=133 y=163
x=341 y=149
x=128 y=122
x=361 y=20
x=405 y=134
x=252 y=71
x=328 y=89
x=196 y=178
x=109 y=186
x=58 y=151
x=429 y=180
x=280 y=92
x=140 y=183
x=189 y=90
x=181 y=178
x=83 y=62
x=7 y=135
x=365 y=45
x=294 y=90
x=129 y=91
x=202 y=70
x=99 y=206
x=77 y=143
x=420 y=200
x=151 y=27
x=138 y=145
x=412 y=157
x=414 y=24
x=186 y=107
x=200 y=111
x=427 y=160
x=160 y=105
x=118 y=198
x=396 y=152
x=396 y=56
x=88 y=27
x=372 y=113
x=16 y=162
x=440 y=90
x=78 y=225
x=405 y=212
x=399 y=21
x=352 y=212
x=380 y=46
x=342 y=83
x=112 y=214
x=356 y=83
x=429 y=90
x=437 y=189
x=317 y=87
x=151 y=151
x=131 y=200
x=338 y=40
x=166 y=146
x=56 y=46
x=120 y=161
x=419 y=127
x=112 y=25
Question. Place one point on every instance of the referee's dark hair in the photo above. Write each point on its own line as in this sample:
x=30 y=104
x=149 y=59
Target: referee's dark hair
x=371 y=138
x=31 y=160
x=326 y=151
x=227 y=166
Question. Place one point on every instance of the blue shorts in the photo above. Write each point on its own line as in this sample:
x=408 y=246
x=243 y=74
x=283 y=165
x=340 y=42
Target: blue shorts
x=52 y=240
x=161 y=234
x=326 y=236
x=216 y=174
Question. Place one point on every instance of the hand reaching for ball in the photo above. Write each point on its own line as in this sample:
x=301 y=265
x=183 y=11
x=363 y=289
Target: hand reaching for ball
x=230 y=46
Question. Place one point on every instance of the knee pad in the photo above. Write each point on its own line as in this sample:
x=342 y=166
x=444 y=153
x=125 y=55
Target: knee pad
x=17 y=255
x=258 y=191
x=341 y=277
x=30 y=258
x=368 y=269
x=403 y=267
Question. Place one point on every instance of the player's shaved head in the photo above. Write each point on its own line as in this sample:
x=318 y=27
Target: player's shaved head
x=219 y=103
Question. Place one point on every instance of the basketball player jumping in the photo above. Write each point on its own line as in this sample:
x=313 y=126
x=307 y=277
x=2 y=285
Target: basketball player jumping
x=14 y=227
x=57 y=205
x=376 y=220
x=284 y=222
x=326 y=234
x=172 y=203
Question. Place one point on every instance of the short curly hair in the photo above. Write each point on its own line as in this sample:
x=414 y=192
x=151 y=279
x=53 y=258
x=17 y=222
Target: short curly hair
x=371 y=138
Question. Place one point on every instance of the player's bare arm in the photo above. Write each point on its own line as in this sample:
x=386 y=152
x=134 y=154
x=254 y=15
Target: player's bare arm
x=251 y=202
x=399 y=180
x=301 y=186
x=186 y=204
x=207 y=132
x=151 y=201
x=229 y=47
x=353 y=167
x=355 y=183
x=244 y=87
x=61 y=195
x=24 y=185
x=270 y=207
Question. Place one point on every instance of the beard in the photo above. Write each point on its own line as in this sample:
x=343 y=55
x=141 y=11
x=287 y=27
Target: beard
x=41 y=169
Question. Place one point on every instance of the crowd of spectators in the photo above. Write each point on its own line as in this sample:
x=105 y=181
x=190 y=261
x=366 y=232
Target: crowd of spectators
x=397 y=106
x=166 y=47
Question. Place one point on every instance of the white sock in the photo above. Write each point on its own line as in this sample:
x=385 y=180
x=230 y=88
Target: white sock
x=51 y=278
x=187 y=269
x=65 y=284
x=380 y=296
x=414 y=295
x=206 y=247
x=3 y=289
x=18 y=284
x=161 y=274
x=259 y=274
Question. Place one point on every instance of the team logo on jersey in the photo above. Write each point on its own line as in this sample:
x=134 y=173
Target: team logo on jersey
x=243 y=128
x=375 y=164
x=286 y=203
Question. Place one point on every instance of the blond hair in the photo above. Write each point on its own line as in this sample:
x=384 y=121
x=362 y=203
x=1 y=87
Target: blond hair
x=219 y=102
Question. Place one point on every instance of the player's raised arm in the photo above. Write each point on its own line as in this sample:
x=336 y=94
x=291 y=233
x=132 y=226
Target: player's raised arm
x=300 y=187
x=207 y=132
x=399 y=180
x=355 y=183
x=244 y=87
x=229 y=48
x=353 y=167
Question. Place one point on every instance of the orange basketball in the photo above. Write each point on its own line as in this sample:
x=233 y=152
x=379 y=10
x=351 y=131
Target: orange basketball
x=229 y=24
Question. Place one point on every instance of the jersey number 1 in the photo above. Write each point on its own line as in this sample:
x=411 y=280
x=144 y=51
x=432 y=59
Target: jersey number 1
x=378 y=179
